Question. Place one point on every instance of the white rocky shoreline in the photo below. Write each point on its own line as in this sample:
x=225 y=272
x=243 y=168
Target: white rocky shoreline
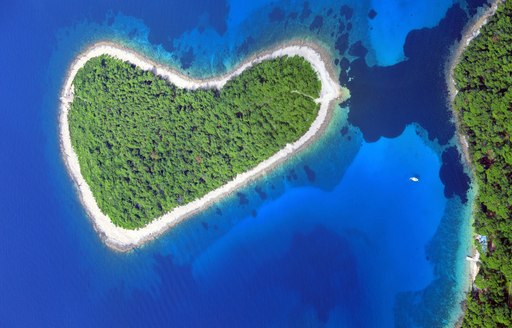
x=121 y=239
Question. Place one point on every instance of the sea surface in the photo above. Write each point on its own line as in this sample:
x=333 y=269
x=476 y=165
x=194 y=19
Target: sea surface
x=336 y=237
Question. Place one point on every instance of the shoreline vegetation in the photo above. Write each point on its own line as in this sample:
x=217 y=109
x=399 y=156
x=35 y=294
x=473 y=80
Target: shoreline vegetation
x=470 y=32
x=146 y=146
x=479 y=87
x=122 y=239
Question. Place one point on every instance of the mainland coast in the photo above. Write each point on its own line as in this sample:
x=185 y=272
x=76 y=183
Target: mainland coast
x=121 y=239
x=471 y=31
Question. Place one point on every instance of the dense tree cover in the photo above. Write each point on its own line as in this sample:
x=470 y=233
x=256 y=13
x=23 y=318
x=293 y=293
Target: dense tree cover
x=484 y=104
x=146 y=146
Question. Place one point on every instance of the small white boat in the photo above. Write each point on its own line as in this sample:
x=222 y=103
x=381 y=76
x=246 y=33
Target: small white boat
x=414 y=179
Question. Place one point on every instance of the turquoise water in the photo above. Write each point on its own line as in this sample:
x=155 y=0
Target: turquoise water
x=395 y=19
x=336 y=237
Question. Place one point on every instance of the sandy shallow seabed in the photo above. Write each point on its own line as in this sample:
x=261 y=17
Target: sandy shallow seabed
x=121 y=239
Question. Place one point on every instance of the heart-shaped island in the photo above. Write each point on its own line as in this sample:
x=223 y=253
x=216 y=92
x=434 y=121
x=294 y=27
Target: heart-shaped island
x=148 y=146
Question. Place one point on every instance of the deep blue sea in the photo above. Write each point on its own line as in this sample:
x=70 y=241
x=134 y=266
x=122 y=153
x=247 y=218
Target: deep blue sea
x=336 y=237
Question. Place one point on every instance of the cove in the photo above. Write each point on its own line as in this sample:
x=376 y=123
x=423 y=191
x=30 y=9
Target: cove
x=336 y=257
x=52 y=258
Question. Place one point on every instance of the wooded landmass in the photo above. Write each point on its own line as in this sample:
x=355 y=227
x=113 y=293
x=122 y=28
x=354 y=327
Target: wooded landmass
x=146 y=146
x=484 y=105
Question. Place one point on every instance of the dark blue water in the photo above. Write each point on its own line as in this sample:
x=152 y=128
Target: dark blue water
x=337 y=237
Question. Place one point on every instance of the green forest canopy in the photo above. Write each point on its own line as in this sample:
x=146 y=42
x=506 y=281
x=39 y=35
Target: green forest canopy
x=146 y=146
x=484 y=105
